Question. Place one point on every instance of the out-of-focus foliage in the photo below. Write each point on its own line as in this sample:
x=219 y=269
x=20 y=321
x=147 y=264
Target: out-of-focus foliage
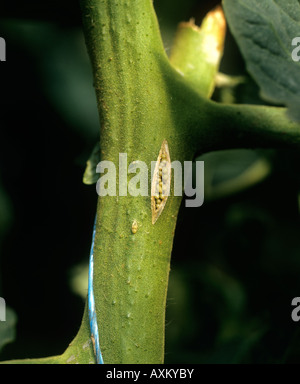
x=8 y=328
x=235 y=270
x=235 y=262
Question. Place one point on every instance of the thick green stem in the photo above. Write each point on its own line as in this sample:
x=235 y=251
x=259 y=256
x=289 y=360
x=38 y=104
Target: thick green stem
x=131 y=269
x=248 y=126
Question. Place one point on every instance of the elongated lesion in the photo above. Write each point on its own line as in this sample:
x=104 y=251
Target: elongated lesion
x=161 y=181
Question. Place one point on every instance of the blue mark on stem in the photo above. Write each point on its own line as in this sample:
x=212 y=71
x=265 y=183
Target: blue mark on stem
x=91 y=304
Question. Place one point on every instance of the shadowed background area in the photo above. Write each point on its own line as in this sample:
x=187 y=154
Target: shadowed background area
x=236 y=259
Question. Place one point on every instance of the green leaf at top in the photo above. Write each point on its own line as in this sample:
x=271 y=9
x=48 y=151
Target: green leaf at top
x=264 y=30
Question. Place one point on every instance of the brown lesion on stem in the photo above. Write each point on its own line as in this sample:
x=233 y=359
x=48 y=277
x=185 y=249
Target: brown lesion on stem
x=161 y=182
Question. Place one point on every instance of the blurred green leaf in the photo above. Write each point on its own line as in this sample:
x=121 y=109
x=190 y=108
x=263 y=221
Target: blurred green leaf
x=8 y=328
x=79 y=280
x=233 y=171
x=64 y=70
x=90 y=176
x=264 y=31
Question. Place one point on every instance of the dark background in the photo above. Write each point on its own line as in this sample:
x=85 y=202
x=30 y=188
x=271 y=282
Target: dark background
x=236 y=259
